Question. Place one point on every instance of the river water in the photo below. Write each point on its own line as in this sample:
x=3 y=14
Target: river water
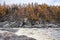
x=40 y=33
x=37 y=33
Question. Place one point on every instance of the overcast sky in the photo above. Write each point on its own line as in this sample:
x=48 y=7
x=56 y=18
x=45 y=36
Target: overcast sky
x=49 y=2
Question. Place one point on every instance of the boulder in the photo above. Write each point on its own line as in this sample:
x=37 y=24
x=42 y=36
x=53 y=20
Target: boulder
x=14 y=24
x=27 y=26
x=4 y=24
x=52 y=25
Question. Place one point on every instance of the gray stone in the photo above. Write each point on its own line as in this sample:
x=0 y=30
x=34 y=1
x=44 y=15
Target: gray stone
x=27 y=26
x=15 y=24
x=4 y=24
x=52 y=25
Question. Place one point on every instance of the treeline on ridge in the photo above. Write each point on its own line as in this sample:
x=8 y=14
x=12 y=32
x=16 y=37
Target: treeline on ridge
x=34 y=12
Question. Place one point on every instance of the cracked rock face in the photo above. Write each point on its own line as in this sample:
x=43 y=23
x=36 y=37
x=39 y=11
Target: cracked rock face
x=10 y=36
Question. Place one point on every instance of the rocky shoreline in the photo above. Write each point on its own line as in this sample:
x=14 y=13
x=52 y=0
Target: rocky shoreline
x=7 y=24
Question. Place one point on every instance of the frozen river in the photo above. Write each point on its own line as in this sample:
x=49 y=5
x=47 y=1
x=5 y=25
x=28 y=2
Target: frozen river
x=38 y=33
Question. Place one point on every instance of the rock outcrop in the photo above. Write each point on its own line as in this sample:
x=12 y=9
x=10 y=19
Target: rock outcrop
x=27 y=24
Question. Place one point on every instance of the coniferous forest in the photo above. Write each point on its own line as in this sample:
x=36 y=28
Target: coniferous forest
x=32 y=13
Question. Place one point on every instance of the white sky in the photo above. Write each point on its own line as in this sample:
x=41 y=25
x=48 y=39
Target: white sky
x=49 y=2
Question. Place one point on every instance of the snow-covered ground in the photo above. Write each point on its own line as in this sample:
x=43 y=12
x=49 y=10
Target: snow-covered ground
x=40 y=33
x=37 y=33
